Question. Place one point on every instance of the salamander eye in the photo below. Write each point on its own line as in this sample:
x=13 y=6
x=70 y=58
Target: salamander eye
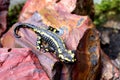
x=72 y=53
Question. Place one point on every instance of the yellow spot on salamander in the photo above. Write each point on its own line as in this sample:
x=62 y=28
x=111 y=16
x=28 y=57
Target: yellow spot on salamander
x=54 y=30
x=69 y=51
x=38 y=42
x=73 y=60
x=46 y=50
x=59 y=51
x=41 y=45
x=35 y=29
x=61 y=56
x=67 y=59
x=62 y=60
x=38 y=31
x=38 y=47
x=39 y=37
x=72 y=55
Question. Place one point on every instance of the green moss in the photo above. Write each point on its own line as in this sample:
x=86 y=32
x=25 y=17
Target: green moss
x=106 y=10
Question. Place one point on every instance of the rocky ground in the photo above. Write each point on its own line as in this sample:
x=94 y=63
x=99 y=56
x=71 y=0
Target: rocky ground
x=110 y=42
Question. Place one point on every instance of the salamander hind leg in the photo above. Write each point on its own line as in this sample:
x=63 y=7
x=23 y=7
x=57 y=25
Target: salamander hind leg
x=47 y=48
x=42 y=44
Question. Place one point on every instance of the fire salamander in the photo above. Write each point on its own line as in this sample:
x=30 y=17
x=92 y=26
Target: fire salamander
x=54 y=42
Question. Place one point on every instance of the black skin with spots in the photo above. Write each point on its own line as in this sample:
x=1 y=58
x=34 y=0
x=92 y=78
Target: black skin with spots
x=53 y=40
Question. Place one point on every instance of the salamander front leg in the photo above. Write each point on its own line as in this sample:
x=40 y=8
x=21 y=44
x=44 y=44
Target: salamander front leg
x=54 y=30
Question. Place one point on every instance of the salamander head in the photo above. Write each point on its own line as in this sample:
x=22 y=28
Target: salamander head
x=67 y=56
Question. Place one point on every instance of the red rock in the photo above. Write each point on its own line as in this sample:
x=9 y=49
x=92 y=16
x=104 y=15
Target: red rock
x=8 y=40
x=36 y=5
x=4 y=4
x=20 y=64
x=109 y=70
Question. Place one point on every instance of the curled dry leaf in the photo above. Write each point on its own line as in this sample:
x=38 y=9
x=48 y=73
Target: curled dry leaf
x=88 y=57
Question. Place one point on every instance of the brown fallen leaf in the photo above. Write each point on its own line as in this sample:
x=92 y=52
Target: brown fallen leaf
x=88 y=61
